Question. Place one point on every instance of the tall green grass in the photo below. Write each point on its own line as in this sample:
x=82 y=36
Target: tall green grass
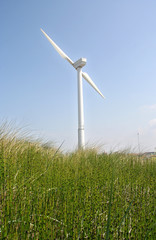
x=45 y=194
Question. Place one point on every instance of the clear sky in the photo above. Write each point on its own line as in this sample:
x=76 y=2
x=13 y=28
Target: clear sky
x=39 y=89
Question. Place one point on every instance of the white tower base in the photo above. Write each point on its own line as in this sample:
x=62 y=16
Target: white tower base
x=81 y=137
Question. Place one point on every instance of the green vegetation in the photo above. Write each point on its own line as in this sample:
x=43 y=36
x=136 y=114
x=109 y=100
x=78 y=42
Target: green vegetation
x=45 y=194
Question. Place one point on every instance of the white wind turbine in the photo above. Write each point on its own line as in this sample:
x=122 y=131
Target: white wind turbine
x=78 y=66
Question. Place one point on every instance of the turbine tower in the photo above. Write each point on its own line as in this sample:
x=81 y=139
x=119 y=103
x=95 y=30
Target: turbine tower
x=78 y=65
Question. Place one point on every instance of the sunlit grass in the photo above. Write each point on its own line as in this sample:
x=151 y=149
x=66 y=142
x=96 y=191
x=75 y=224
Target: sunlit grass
x=45 y=194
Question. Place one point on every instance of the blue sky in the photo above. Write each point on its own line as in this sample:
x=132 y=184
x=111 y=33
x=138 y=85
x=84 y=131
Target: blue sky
x=39 y=88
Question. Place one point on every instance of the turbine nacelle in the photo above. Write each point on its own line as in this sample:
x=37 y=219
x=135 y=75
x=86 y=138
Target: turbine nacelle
x=80 y=63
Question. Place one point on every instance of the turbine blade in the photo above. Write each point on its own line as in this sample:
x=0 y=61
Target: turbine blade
x=63 y=55
x=89 y=80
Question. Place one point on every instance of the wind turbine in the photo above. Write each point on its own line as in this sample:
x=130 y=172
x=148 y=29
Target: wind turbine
x=78 y=65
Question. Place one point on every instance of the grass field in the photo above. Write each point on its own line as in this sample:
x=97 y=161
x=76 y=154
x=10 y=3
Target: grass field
x=45 y=194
